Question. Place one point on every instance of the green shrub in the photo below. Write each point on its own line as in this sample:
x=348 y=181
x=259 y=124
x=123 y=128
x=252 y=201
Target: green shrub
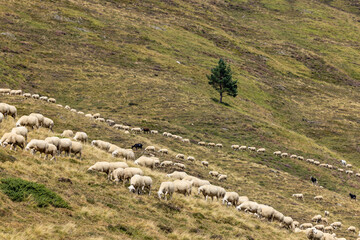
x=18 y=190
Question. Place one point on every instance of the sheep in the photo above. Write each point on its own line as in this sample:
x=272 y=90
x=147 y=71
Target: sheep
x=4 y=109
x=52 y=100
x=180 y=165
x=231 y=197
x=88 y=115
x=130 y=172
x=243 y=199
x=314 y=234
x=243 y=148
x=136 y=183
x=112 y=148
x=76 y=148
x=16 y=92
x=101 y=144
x=166 y=188
x=185 y=140
x=351 y=229
x=183 y=187
x=107 y=167
x=348 y=165
x=266 y=212
x=283 y=155
x=261 y=150
x=116 y=175
x=28 y=121
x=14 y=140
x=65 y=146
x=316 y=218
x=214 y=173
x=196 y=182
x=67 y=107
x=298 y=196
x=37 y=146
x=39 y=116
x=300 y=158
x=277 y=153
x=5 y=91
x=328 y=236
x=166 y=163
x=67 y=134
x=190 y=158
x=51 y=150
x=150 y=149
x=136 y=130
x=4 y=137
x=20 y=131
x=180 y=156
x=328 y=229
x=163 y=151
x=210 y=191
x=253 y=149
x=349 y=172
x=219 y=145
x=145 y=162
x=324 y=220
x=44 y=98
x=35 y=96
x=48 y=123
x=81 y=137
x=154 y=131
x=326 y=213
x=296 y=224
x=202 y=143
x=59 y=105
x=205 y=163
x=177 y=175
x=319 y=227
x=235 y=147
x=127 y=154
x=96 y=115
x=110 y=122
x=293 y=156
x=211 y=144
x=288 y=222
x=343 y=162
x=306 y=226
x=100 y=119
x=318 y=198
x=248 y=206
x=12 y=111
x=222 y=177
x=336 y=225
x=53 y=140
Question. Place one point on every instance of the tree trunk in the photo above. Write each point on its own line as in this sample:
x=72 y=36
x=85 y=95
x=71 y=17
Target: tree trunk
x=221 y=97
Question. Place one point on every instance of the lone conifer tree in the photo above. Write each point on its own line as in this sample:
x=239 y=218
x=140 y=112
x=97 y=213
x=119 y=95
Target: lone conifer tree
x=221 y=80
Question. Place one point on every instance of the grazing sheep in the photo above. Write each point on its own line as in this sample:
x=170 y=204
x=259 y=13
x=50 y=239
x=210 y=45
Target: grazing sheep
x=300 y=158
x=101 y=144
x=261 y=150
x=150 y=149
x=284 y=155
x=201 y=143
x=51 y=100
x=12 y=111
x=48 y=123
x=53 y=140
x=180 y=156
x=314 y=234
x=185 y=140
x=65 y=146
x=214 y=173
x=154 y=131
x=177 y=175
x=205 y=163
x=243 y=199
x=243 y=148
x=163 y=151
x=136 y=130
x=130 y=172
x=4 y=109
x=138 y=182
x=211 y=144
x=326 y=213
x=81 y=137
x=343 y=162
x=211 y=191
x=235 y=147
x=145 y=162
x=107 y=167
x=166 y=188
x=222 y=177
x=328 y=229
x=14 y=140
x=39 y=116
x=166 y=164
x=100 y=119
x=35 y=96
x=37 y=146
x=96 y=115
x=67 y=134
x=231 y=197
x=306 y=226
x=127 y=154
x=324 y=220
x=336 y=225
x=88 y=115
x=28 y=121
x=348 y=165
x=298 y=196
x=44 y=98
x=349 y=172
x=5 y=91
x=59 y=105
x=253 y=149
x=76 y=148
x=16 y=92
x=20 y=131
x=248 y=206
x=180 y=165
x=196 y=182
x=4 y=137
x=51 y=150
x=319 y=227
x=112 y=148
x=296 y=224
x=183 y=187
x=190 y=158
x=288 y=222
x=351 y=229
x=293 y=156
x=266 y=212
x=219 y=145
x=277 y=153
x=316 y=218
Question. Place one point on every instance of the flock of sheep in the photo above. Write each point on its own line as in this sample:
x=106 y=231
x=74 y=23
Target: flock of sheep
x=121 y=172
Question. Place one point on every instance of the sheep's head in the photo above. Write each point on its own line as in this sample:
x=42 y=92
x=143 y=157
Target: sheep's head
x=131 y=188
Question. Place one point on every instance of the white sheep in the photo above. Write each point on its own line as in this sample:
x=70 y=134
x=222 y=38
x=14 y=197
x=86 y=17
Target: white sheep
x=196 y=182
x=202 y=143
x=219 y=145
x=130 y=172
x=67 y=134
x=177 y=175
x=180 y=156
x=166 y=164
x=51 y=150
x=288 y=222
x=261 y=150
x=205 y=163
x=351 y=229
x=235 y=147
x=53 y=140
x=136 y=130
x=5 y=91
x=326 y=213
x=336 y=225
x=211 y=144
x=28 y=121
x=36 y=145
x=185 y=140
x=20 y=131
x=150 y=149
x=76 y=148
x=39 y=116
x=242 y=148
x=277 y=153
x=284 y=155
x=52 y=100
x=314 y=234
x=166 y=188
x=316 y=218
x=231 y=197
x=180 y=165
x=81 y=137
x=183 y=187
x=212 y=191
x=154 y=131
x=35 y=96
x=1 y=117
x=318 y=198
x=299 y=196
x=14 y=140
x=65 y=146
x=253 y=149
x=145 y=162
x=96 y=115
x=138 y=182
x=163 y=151
x=306 y=226
x=222 y=177
x=248 y=206
x=48 y=123
x=214 y=173
x=191 y=158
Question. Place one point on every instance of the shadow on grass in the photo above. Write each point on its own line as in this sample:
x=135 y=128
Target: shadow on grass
x=223 y=103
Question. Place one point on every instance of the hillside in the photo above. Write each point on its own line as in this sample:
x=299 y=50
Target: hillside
x=297 y=64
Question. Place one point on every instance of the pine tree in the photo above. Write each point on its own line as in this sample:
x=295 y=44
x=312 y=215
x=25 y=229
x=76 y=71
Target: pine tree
x=221 y=80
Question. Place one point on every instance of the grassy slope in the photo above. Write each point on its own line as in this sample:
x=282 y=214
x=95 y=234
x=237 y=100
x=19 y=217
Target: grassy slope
x=129 y=49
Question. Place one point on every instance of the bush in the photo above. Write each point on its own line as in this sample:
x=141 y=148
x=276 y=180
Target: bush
x=18 y=190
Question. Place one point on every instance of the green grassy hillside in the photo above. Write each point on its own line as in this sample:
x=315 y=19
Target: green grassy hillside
x=297 y=66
